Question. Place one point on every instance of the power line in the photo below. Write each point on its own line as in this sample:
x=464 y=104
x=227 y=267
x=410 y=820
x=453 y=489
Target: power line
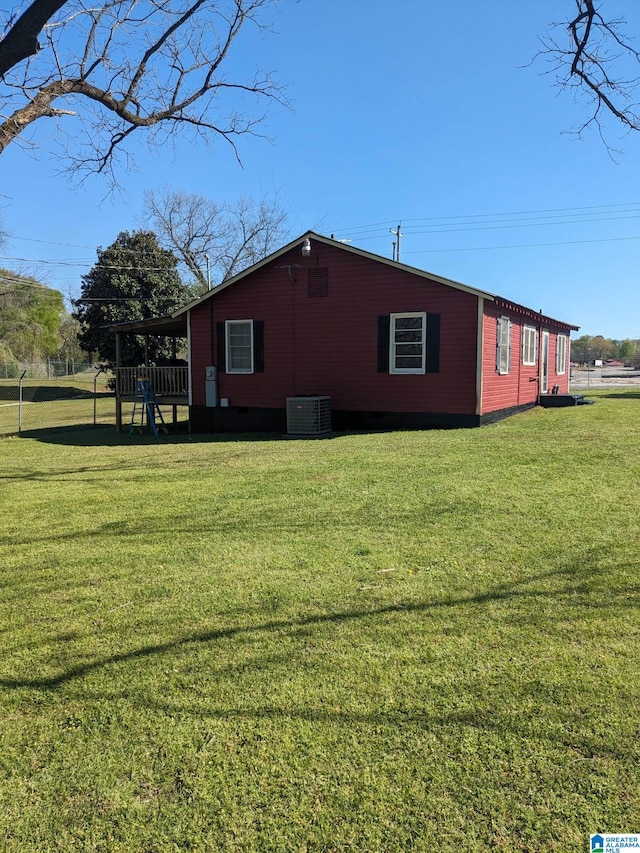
x=566 y=211
x=460 y=223
x=520 y=246
x=75 y=263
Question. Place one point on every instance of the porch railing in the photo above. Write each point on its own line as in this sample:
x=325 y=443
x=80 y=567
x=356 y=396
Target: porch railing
x=165 y=381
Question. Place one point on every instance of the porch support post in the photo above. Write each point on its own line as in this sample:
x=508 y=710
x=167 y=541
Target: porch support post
x=174 y=357
x=118 y=399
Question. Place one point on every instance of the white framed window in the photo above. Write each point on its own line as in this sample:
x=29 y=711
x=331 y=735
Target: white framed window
x=503 y=345
x=561 y=354
x=239 y=338
x=407 y=342
x=529 y=344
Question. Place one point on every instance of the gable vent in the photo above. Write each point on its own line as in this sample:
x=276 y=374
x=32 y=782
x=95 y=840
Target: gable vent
x=318 y=282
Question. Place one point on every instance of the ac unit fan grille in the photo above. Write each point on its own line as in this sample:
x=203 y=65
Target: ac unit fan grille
x=308 y=415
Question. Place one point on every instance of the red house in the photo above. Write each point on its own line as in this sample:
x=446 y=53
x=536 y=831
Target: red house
x=389 y=345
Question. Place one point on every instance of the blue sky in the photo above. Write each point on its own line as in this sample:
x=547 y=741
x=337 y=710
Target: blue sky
x=420 y=112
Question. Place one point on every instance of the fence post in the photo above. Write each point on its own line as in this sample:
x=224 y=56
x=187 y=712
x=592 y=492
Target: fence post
x=20 y=403
x=95 y=394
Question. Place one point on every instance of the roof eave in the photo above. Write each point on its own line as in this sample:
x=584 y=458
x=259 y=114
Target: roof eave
x=535 y=316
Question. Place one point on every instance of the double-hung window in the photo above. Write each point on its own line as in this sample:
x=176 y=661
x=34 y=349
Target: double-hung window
x=407 y=342
x=561 y=354
x=503 y=345
x=529 y=344
x=239 y=338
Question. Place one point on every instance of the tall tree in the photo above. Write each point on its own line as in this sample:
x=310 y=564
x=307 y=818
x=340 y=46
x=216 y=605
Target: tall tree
x=215 y=241
x=626 y=349
x=133 y=279
x=70 y=331
x=30 y=317
x=129 y=66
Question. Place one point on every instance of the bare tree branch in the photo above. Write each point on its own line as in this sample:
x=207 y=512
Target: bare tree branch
x=215 y=241
x=21 y=40
x=142 y=65
x=599 y=62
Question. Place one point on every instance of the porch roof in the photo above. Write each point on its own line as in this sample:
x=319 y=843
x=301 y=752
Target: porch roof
x=172 y=327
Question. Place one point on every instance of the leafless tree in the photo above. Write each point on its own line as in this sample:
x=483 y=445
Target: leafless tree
x=214 y=240
x=126 y=66
x=597 y=61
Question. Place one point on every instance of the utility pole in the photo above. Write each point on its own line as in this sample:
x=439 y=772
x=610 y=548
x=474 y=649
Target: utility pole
x=396 y=245
x=208 y=272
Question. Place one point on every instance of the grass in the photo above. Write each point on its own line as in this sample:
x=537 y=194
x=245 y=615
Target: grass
x=60 y=402
x=406 y=641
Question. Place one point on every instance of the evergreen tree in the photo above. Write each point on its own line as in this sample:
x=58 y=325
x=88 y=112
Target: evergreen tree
x=134 y=279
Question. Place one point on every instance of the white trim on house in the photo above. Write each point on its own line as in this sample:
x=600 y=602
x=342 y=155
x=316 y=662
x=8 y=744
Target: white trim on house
x=230 y=355
x=544 y=361
x=529 y=345
x=503 y=345
x=479 y=353
x=561 y=354
x=397 y=348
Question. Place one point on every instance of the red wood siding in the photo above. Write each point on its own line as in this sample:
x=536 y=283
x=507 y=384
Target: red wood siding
x=521 y=385
x=328 y=344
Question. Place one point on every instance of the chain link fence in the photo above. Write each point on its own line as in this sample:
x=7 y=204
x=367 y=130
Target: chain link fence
x=49 y=369
x=52 y=400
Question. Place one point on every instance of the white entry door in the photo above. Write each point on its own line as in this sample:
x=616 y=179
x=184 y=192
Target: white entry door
x=544 y=364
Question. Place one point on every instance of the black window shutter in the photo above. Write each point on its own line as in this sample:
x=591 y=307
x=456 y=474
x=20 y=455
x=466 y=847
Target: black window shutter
x=433 y=344
x=258 y=346
x=222 y=348
x=383 y=343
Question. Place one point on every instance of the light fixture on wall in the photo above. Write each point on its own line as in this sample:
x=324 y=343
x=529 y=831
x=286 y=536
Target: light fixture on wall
x=306 y=248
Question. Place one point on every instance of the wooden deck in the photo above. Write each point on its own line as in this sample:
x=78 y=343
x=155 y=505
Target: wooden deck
x=170 y=384
x=170 y=387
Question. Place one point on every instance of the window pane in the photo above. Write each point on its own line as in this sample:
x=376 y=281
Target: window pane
x=240 y=346
x=240 y=336
x=529 y=345
x=409 y=349
x=561 y=358
x=408 y=322
x=405 y=362
x=409 y=336
x=240 y=360
x=407 y=343
x=502 y=353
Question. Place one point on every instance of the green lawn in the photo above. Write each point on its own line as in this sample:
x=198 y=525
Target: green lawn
x=53 y=403
x=401 y=642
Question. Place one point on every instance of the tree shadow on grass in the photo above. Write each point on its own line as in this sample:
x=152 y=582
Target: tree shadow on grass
x=576 y=575
x=88 y=435
x=621 y=395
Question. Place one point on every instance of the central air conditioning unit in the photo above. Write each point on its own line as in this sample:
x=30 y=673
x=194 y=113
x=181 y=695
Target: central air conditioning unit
x=308 y=415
